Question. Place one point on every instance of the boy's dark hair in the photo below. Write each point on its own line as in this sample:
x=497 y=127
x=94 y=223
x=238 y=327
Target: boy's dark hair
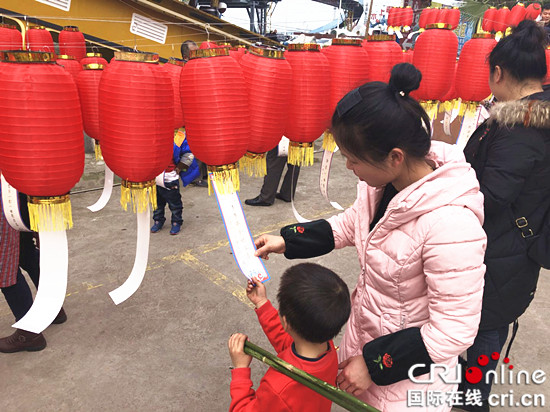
x=522 y=53
x=377 y=117
x=185 y=49
x=545 y=6
x=314 y=301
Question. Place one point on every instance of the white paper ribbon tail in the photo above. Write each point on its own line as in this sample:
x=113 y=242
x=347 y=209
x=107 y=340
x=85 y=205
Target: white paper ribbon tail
x=133 y=282
x=54 y=266
x=107 y=190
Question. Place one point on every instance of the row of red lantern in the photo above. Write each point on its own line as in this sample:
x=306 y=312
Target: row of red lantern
x=436 y=15
x=498 y=20
x=400 y=17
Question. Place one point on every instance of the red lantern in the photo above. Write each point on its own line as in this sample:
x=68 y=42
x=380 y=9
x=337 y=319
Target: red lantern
x=94 y=58
x=501 y=20
x=547 y=80
x=533 y=11
x=72 y=43
x=408 y=56
x=208 y=45
x=41 y=144
x=392 y=14
x=398 y=17
x=407 y=17
x=136 y=116
x=307 y=113
x=472 y=76
x=268 y=78
x=216 y=113
x=174 y=68
x=489 y=18
x=39 y=39
x=423 y=17
x=381 y=50
x=10 y=37
x=237 y=52
x=88 y=90
x=70 y=64
x=452 y=94
x=516 y=15
x=450 y=17
x=348 y=70
x=432 y=16
x=435 y=56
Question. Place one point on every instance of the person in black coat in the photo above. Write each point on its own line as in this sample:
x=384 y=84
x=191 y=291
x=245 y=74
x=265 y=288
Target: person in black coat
x=510 y=153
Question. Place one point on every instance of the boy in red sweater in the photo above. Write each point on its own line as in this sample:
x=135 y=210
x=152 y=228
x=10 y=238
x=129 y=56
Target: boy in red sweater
x=314 y=304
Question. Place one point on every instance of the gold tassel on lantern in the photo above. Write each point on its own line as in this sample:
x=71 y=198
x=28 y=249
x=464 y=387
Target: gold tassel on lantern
x=329 y=143
x=97 y=150
x=226 y=178
x=139 y=194
x=50 y=213
x=430 y=106
x=253 y=164
x=468 y=109
x=301 y=154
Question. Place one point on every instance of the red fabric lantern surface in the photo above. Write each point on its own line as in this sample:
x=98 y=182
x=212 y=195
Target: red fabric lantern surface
x=72 y=43
x=70 y=64
x=516 y=15
x=501 y=20
x=208 y=45
x=94 y=58
x=136 y=116
x=423 y=17
x=88 y=90
x=41 y=144
x=268 y=78
x=547 y=80
x=216 y=113
x=432 y=16
x=408 y=56
x=237 y=52
x=450 y=16
x=489 y=18
x=392 y=13
x=174 y=68
x=398 y=17
x=472 y=76
x=39 y=39
x=407 y=17
x=382 y=50
x=10 y=37
x=533 y=11
x=435 y=56
x=307 y=113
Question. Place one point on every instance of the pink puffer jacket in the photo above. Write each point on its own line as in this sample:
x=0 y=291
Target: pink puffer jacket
x=422 y=266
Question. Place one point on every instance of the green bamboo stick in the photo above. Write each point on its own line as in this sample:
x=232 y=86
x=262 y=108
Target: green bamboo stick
x=338 y=396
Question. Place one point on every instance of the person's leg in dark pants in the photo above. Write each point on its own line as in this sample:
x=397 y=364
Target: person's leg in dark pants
x=29 y=257
x=18 y=296
x=288 y=188
x=173 y=198
x=275 y=167
x=486 y=343
x=158 y=213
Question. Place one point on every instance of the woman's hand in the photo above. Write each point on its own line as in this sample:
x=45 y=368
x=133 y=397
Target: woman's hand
x=355 y=377
x=267 y=244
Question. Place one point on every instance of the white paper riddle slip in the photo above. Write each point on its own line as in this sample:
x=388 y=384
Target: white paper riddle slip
x=54 y=266
x=133 y=282
x=107 y=190
x=10 y=204
x=324 y=177
x=238 y=233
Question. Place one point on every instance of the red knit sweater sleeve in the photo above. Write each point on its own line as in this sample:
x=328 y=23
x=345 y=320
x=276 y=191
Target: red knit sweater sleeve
x=245 y=399
x=271 y=324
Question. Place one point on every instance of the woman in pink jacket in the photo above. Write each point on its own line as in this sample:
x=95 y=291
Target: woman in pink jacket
x=417 y=228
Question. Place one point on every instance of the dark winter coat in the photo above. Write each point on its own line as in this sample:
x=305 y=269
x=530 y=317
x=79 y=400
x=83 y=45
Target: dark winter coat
x=510 y=153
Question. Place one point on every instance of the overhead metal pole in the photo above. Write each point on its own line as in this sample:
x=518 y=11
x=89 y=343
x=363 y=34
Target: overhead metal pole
x=252 y=16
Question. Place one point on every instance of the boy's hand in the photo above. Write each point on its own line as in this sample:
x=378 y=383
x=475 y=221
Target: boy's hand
x=256 y=293
x=267 y=244
x=236 y=351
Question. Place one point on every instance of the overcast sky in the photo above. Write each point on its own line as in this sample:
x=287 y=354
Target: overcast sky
x=289 y=15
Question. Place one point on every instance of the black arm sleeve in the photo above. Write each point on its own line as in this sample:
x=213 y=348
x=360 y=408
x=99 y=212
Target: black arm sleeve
x=306 y=240
x=390 y=357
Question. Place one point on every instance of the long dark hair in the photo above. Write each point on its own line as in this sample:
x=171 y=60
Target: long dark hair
x=377 y=117
x=522 y=53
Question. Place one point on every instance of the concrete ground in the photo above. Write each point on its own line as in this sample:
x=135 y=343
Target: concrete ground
x=165 y=348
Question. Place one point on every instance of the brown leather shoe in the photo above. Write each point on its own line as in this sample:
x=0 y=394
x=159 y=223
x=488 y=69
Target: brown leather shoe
x=60 y=318
x=22 y=340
